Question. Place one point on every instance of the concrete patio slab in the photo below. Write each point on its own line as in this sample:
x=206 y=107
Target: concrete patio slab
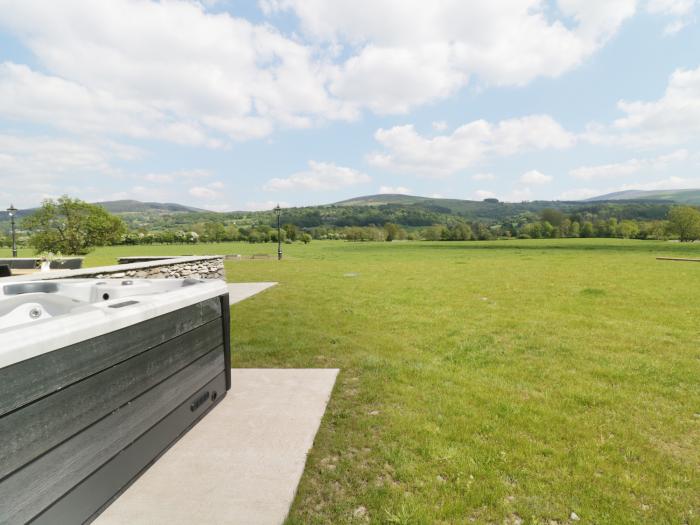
x=237 y=292
x=241 y=464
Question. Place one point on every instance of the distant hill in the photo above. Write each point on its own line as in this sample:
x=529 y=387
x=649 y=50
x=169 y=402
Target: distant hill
x=384 y=198
x=689 y=196
x=133 y=206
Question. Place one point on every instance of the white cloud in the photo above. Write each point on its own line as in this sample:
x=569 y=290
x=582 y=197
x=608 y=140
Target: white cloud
x=439 y=125
x=483 y=176
x=671 y=120
x=411 y=52
x=680 y=10
x=34 y=168
x=519 y=195
x=444 y=155
x=400 y=190
x=177 y=72
x=483 y=194
x=203 y=192
x=621 y=169
x=535 y=177
x=319 y=176
x=167 y=70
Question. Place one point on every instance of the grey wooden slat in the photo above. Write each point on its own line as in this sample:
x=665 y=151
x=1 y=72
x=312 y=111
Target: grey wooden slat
x=32 y=430
x=226 y=321
x=85 y=501
x=27 y=492
x=29 y=380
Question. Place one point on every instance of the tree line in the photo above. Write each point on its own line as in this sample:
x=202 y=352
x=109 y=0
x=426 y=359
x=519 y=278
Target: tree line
x=72 y=226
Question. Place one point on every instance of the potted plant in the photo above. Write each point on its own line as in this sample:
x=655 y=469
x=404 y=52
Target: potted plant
x=46 y=258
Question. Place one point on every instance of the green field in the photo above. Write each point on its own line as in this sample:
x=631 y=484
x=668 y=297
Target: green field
x=485 y=382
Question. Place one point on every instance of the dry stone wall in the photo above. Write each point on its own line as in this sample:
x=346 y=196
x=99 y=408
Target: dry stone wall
x=210 y=268
x=195 y=267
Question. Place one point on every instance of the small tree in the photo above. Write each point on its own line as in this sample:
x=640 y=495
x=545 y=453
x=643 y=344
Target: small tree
x=72 y=226
x=291 y=231
x=305 y=238
x=587 y=229
x=684 y=221
x=392 y=231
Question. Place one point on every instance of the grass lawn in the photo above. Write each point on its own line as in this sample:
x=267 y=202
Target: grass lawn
x=485 y=382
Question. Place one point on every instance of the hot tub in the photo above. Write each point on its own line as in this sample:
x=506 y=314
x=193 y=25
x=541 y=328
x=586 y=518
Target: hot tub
x=97 y=379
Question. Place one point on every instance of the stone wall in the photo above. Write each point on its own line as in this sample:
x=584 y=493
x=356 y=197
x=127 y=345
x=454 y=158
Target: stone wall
x=195 y=266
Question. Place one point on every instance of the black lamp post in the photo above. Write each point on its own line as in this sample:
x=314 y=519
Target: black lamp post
x=278 y=212
x=12 y=211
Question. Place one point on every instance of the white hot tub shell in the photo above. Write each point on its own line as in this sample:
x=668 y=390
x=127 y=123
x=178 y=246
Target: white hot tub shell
x=97 y=379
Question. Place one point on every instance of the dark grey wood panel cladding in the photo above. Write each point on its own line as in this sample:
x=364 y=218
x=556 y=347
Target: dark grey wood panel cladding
x=85 y=501
x=29 y=380
x=29 y=491
x=36 y=428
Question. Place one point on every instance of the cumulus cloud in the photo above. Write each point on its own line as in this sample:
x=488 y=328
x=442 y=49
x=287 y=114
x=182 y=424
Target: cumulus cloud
x=38 y=167
x=177 y=72
x=320 y=176
x=407 y=151
x=401 y=190
x=680 y=12
x=519 y=194
x=673 y=119
x=402 y=54
x=621 y=169
x=202 y=192
x=166 y=70
x=535 y=177
x=208 y=192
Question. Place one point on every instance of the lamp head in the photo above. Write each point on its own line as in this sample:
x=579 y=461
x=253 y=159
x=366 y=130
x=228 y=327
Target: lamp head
x=11 y=211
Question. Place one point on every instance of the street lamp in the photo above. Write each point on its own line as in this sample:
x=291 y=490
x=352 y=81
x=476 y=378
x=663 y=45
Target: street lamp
x=12 y=211
x=278 y=212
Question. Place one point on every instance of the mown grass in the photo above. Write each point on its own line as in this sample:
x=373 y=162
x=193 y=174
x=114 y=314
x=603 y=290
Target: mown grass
x=486 y=382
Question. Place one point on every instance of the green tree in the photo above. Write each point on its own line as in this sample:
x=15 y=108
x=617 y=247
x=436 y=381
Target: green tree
x=291 y=231
x=214 y=231
x=627 y=229
x=434 y=233
x=305 y=238
x=575 y=229
x=587 y=229
x=684 y=221
x=392 y=231
x=552 y=216
x=461 y=232
x=72 y=227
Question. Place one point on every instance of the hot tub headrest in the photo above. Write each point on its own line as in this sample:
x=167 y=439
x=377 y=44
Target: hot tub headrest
x=22 y=288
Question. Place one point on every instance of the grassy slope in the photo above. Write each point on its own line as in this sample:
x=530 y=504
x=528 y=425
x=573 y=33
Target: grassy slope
x=486 y=380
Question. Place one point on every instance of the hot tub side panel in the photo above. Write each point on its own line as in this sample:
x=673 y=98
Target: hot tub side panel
x=78 y=424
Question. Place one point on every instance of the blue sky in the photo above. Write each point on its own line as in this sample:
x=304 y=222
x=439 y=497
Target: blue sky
x=233 y=105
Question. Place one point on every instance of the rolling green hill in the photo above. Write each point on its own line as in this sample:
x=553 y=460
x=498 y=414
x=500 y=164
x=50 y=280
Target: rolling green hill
x=134 y=206
x=689 y=196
